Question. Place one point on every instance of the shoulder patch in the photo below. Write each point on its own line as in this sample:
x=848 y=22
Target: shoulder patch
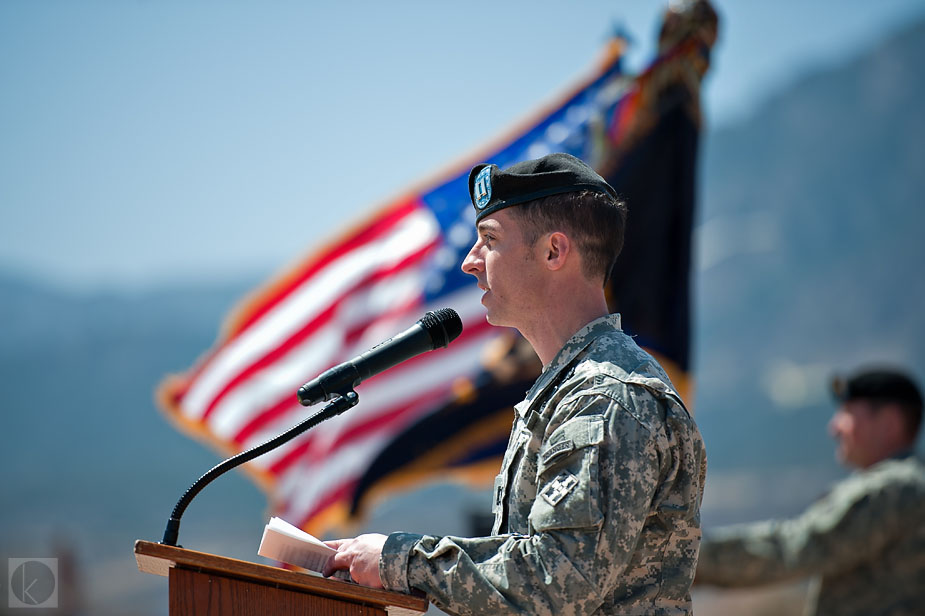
x=558 y=488
x=560 y=447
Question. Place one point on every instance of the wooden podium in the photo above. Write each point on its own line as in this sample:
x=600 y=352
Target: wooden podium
x=206 y=584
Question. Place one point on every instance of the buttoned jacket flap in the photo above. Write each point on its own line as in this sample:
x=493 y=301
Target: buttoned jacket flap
x=577 y=433
x=569 y=477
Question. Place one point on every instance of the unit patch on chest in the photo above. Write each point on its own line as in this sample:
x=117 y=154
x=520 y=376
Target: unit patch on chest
x=559 y=488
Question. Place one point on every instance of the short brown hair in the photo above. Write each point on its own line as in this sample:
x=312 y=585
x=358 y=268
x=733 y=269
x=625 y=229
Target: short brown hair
x=882 y=385
x=594 y=220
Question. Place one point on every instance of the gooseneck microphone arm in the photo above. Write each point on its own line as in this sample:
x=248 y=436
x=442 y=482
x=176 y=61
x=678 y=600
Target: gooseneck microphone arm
x=434 y=330
x=334 y=408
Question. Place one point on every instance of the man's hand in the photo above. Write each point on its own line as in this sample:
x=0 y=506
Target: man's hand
x=360 y=556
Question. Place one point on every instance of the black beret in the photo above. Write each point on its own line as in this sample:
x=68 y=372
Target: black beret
x=883 y=384
x=492 y=189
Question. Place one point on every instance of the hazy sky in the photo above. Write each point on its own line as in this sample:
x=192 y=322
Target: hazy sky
x=151 y=141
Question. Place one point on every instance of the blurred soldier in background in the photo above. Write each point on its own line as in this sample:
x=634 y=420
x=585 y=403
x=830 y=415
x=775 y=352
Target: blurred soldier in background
x=864 y=542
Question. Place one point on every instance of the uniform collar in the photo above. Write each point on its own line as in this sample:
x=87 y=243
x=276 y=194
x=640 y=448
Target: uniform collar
x=567 y=355
x=903 y=454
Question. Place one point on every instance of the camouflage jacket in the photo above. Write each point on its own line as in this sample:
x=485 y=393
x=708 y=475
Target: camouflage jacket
x=597 y=506
x=864 y=542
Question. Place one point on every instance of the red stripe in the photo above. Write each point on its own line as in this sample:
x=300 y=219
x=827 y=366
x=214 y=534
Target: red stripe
x=387 y=419
x=287 y=404
x=374 y=421
x=297 y=449
x=378 y=227
x=325 y=317
x=361 y=429
x=178 y=394
x=395 y=312
x=305 y=453
x=623 y=115
x=343 y=492
x=382 y=421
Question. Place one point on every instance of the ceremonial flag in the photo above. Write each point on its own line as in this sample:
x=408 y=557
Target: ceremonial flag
x=649 y=155
x=372 y=282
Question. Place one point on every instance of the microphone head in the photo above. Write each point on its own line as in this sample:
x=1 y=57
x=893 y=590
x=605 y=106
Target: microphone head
x=443 y=326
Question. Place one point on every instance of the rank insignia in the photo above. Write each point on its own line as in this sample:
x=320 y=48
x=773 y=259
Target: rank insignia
x=482 y=188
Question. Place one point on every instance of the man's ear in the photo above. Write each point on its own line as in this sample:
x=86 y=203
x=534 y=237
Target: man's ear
x=896 y=424
x=558 y=249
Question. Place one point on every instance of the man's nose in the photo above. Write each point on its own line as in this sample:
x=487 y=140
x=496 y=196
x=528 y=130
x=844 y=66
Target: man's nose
x=473 y=263
x=835 y=423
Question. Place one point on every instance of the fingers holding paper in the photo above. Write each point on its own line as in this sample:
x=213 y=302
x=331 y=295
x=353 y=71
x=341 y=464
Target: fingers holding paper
x=359 y=556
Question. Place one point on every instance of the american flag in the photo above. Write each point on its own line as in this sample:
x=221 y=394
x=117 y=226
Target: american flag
x=373 y=282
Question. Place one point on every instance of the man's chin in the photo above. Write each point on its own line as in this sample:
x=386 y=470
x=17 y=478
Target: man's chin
x=493 y=319
x=848 y=459
x=841 y=456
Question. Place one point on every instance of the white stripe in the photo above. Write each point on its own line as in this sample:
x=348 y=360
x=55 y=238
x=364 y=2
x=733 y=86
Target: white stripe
x=466 y=303
x=271 y=384
x=303 y=485
x=384 y=393
x=406 y=382
x=303 y=488
x=319 y=352
x=310 y=357
x=416 y=231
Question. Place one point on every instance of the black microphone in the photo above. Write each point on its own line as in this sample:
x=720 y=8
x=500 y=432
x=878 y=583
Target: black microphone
x=434 y=330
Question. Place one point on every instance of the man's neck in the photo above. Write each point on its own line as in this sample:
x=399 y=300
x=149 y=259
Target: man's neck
x=563 y=318
x=898 y=452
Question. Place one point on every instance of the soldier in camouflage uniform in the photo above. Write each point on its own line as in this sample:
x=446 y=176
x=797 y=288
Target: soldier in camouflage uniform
x=597 y=506
x=864 y=542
